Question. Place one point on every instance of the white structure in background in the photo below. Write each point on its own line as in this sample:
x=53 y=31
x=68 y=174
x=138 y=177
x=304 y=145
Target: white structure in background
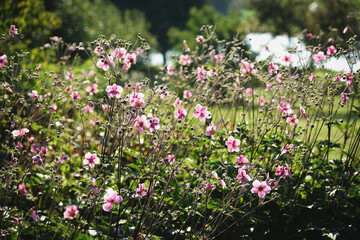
x=277 y=48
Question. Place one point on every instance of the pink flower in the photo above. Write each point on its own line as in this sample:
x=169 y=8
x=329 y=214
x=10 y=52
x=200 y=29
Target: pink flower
x=134 y=96
x=105 y=63
x=170 y=70
x=309 y=35
x=71 y=212
x=268 y=87
x=3 y=60
x=292 y=120
x=114 y=91
x=138 y=103
x=33 y=215
x=201 y=112
x=233 y=144
x=243 y=176
x=282 y=171
x=279 y=78
x=138 y=87
x=287 y=58
x=345 y=29
x=105 y=107
x=336 y=78
x=63 y=157
x=91 y=72
x=186 y=47
x=22 y=189
x=201 y=74
x=130 y=59
x=249 y=91
x=154 y=124
x=312 y=77
x=92 y=89
x=171 y=159
x=180 y=114
x=75 y=96
x=185 y=60
x=302 y=110
x=331 y=50
x=13 y=31
x=110 y=198
x=34 y=94
x=91 y=160
x=177 y=102
x=241 y=162
x=344 y=98
x=119 y=53
x=348 y=79
x=318 y=57
x=208 y=187
x=187 y=94
x=218 y=57
x=98 y=50
x=88 y=109
x=262 y=101
x=199 y=38
x=285 y=108
x=140 y=191
x=273 y=67
x=20 y=132
x=288 y=148
x=69 y=76
x=261 y=188
x=141 y=123
x=210 y=130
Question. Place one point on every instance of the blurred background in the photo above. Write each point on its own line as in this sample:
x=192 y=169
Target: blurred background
x=165 y=24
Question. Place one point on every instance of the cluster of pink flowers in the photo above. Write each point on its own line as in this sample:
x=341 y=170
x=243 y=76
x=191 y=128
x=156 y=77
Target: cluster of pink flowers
x=283 y=171
x=185 y=60
x=246 y=67
x=331 y=50
x=288 y=148
x=20 y=132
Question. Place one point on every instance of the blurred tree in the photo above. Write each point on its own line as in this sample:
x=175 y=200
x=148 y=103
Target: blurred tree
x=162 y=15
x=86 y=20
x=292 y=16
x=236 y=24
x=31 y=18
